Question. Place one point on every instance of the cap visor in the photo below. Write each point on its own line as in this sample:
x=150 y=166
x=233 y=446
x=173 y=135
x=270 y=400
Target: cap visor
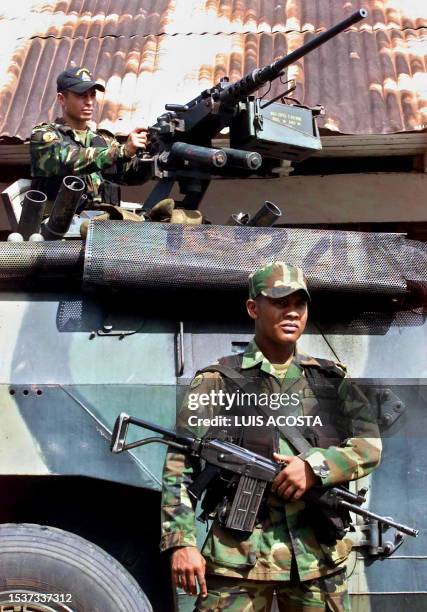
x=280 y=292
x=85 y=86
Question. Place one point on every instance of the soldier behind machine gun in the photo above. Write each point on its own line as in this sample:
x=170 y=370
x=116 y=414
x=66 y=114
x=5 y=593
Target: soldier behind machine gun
x=68 y=146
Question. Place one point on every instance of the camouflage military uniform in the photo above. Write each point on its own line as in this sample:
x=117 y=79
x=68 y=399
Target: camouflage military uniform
x=294 y=596
x=281 y=547
x=57 y=150
x=286 y=551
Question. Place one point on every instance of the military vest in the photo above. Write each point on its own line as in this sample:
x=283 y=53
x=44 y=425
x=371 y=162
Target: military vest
x=318 y=397
x=318 y=392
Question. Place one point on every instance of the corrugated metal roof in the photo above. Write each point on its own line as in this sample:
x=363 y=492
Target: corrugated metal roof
x=99 y=18
x=371 y=79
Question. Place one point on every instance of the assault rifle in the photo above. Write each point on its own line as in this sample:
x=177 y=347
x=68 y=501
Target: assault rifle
x=180 y=148
x=253 y=473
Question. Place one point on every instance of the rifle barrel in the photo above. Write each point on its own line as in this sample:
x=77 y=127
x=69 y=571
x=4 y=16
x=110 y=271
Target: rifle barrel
x=376 y=517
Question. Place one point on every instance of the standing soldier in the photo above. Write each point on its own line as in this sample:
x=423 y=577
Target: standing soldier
x=293 y=551
x=69 y=146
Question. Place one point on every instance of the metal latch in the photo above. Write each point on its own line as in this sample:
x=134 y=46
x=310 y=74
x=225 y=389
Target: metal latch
x=119 y=324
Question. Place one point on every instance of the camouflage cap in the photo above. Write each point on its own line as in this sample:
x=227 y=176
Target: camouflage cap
x=277 y=279
x=77 y=80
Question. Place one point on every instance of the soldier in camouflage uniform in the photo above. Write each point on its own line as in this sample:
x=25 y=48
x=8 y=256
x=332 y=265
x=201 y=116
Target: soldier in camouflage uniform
x=68 y=146
x=284 y=554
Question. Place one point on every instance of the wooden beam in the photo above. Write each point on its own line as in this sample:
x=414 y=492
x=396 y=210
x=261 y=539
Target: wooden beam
x=15 y=154
x=374 y=145
x=371 y=145
x=367 y=145
x=335 y=198
x=332 y=199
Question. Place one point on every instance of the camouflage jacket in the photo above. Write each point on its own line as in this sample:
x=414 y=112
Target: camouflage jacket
x=281 y=539
x=58 y=150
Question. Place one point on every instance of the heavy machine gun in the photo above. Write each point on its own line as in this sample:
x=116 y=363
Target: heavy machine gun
x=251 y=474
x=181 y=139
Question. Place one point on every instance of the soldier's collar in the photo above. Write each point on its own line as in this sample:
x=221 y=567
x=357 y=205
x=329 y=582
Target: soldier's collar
x=253 y=356
x=62 y=126
x=67 y=129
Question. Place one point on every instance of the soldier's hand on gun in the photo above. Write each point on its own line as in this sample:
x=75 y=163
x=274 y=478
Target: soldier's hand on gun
x=137 y=141
x=295 y=479
x=187 y=564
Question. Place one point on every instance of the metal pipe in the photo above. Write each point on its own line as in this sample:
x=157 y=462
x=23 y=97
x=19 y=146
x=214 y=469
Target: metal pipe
x=242 y=159
x=63 y=210
x=202 y=156
x=266 y=215
x=32 y=213
x=240 y=218
x=20 y=260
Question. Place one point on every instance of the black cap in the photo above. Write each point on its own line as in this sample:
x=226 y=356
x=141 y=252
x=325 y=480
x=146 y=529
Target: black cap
x=77 y=80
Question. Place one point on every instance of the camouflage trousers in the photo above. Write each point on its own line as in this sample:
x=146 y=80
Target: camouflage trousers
x=326 y=594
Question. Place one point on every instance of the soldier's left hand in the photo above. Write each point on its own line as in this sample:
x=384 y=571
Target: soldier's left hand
x=295 y=479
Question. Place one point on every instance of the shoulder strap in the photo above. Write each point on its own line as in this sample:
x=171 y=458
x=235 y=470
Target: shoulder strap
x=229 y=366
x=328 y=375
x=291 y=434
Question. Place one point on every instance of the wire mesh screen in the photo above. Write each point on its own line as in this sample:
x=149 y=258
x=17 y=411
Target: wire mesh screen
x=69 y=315
x=19 y=260
x=121 y=254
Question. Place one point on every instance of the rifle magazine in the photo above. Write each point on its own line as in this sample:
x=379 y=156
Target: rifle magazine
x=245 y=507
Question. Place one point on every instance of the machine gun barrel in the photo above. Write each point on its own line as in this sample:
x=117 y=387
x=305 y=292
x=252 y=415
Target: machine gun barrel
x=63 y=210
x=202 y=156
x=254 y=80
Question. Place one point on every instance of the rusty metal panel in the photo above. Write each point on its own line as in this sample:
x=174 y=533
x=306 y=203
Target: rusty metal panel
x=371 y=79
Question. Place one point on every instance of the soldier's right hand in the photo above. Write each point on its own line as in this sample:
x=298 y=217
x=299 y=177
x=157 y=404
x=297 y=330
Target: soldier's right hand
x=137 y=140
x=186 y=564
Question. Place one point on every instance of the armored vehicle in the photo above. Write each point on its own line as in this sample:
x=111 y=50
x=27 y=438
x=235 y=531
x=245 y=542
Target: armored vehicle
x=121 y=321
